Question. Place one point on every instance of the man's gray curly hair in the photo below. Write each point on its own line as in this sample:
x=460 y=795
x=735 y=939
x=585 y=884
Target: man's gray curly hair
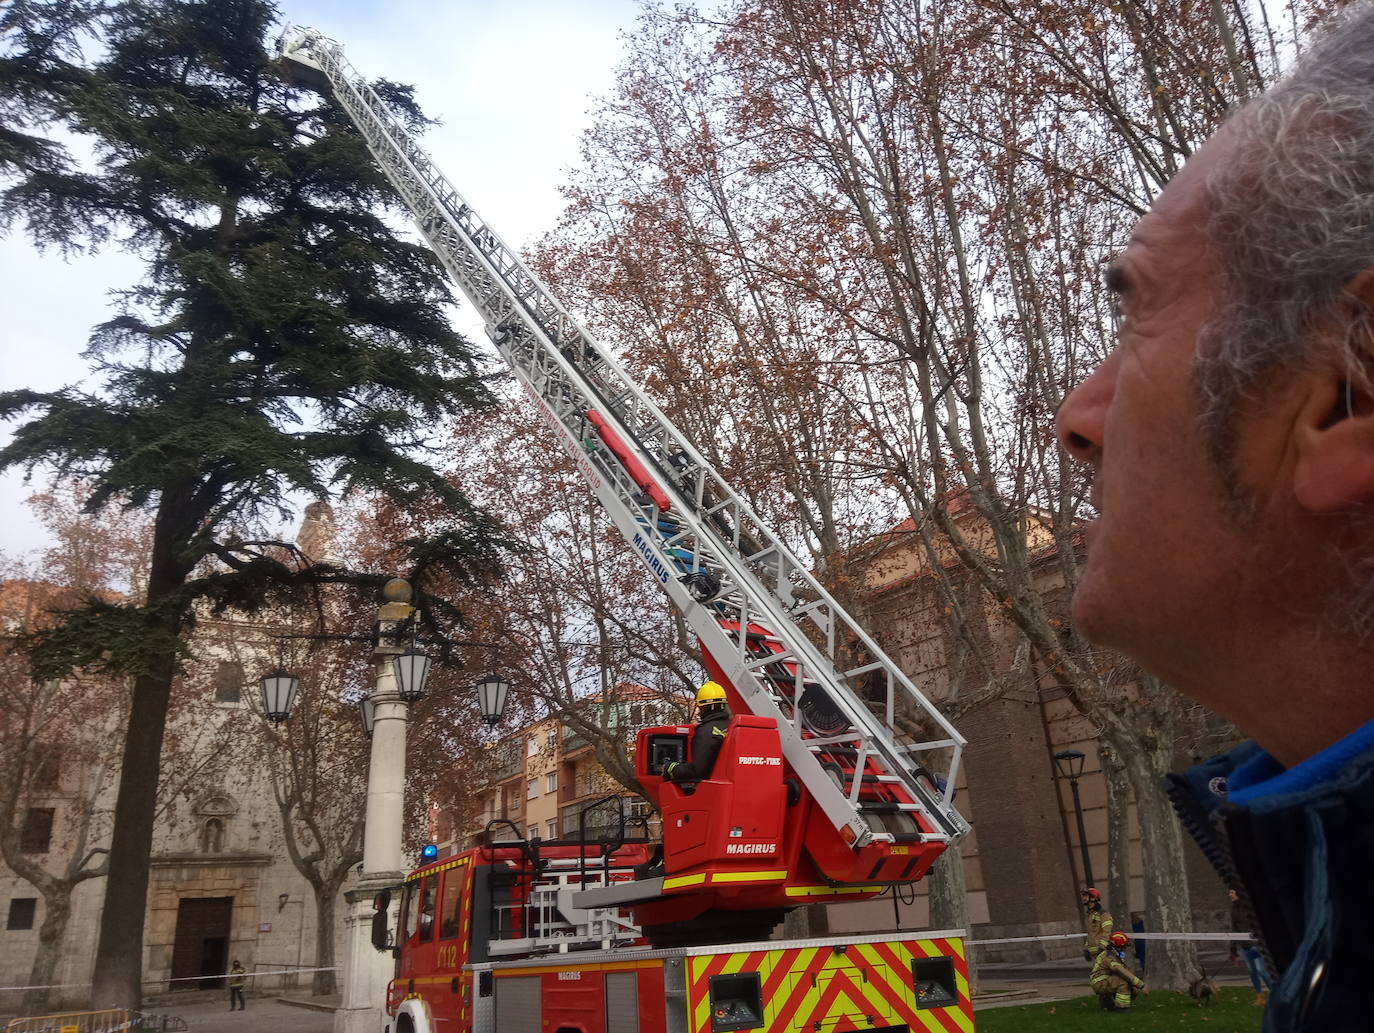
x=1292 y=222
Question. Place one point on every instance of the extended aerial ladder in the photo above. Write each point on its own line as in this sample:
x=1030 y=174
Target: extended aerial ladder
x=856 y=731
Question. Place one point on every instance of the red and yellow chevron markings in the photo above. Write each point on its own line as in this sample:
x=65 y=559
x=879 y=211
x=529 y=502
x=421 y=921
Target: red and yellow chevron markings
x=834 y=990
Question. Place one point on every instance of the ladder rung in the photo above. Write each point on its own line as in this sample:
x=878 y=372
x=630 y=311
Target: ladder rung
x=507 y=293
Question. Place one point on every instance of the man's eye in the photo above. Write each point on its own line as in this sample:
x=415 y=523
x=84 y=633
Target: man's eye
x=1118 y=311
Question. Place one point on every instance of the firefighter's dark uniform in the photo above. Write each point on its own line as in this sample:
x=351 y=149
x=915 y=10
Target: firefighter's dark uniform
x=706 y=743
x=1111 y=977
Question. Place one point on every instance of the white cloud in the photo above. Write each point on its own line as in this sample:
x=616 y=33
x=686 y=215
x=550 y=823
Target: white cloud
x=512 y=85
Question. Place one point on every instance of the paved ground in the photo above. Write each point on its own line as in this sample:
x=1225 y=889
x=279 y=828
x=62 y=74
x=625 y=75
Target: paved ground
x=1002 y=985
x=262 y=1015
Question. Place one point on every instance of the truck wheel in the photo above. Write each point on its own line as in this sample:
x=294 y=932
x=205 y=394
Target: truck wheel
x=404 y=1025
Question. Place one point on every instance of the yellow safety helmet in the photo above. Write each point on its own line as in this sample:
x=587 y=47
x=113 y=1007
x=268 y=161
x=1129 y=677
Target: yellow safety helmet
x=711 y=692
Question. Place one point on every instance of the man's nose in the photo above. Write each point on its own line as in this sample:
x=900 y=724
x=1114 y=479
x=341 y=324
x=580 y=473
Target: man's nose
x=1080 y=422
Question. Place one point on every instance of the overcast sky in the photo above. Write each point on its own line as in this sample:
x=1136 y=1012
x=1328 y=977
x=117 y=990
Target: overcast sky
x=512 y=85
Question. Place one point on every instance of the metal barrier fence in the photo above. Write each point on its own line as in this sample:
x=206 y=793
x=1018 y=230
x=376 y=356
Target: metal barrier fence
x=111 y=1020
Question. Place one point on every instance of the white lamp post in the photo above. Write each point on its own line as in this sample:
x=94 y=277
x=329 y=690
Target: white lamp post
x=385 y=712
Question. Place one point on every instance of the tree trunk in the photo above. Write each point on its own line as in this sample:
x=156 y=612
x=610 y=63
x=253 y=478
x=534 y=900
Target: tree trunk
x=1118 y=836
x=118 y=978
x=948 y=899
x=57 y=911
x=1170 y=964
x=326 y=901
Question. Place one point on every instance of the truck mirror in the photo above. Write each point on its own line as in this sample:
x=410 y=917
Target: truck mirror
x=381 y=935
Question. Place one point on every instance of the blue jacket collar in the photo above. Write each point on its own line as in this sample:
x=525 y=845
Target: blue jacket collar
x=1261 y=782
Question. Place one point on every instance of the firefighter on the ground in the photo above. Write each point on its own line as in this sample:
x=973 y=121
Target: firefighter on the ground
x=1114 y=983
x=712 y=718
x=1099 y=923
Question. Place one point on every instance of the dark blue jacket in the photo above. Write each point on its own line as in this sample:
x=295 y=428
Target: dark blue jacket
x=1297 y=845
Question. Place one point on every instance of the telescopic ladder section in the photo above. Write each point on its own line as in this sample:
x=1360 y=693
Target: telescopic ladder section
x=858 y=732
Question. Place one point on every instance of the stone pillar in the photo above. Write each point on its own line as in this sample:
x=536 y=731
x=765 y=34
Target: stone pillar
x=386 y=777
x=366 y=970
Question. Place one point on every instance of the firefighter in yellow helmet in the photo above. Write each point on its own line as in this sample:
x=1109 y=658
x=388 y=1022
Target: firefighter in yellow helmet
x=712 y=718
x=1114 y=983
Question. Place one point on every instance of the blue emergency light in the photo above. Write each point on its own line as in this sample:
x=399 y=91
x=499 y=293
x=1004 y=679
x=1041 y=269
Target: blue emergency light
x=429 y=853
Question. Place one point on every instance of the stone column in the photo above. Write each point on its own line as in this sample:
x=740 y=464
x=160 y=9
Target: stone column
x=366 y=970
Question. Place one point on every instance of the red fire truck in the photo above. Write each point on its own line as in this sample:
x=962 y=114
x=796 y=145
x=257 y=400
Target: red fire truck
x=822 y=791
x=494 y=939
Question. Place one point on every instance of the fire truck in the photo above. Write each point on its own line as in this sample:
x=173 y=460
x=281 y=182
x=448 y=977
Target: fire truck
x=825 y=789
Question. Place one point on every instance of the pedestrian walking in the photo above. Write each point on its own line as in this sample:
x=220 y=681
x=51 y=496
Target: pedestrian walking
x=236 y=979
x=1254 y=958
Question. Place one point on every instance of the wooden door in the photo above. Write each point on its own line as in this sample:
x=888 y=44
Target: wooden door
x=201 y=948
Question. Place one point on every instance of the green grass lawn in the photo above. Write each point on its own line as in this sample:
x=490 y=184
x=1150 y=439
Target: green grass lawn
x=1230 y=1012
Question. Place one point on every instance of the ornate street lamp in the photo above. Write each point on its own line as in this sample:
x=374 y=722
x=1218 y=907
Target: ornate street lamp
x=1070 y=765
x=367 y=710
x=278 y=694
x=412 y=671
x=491 y=697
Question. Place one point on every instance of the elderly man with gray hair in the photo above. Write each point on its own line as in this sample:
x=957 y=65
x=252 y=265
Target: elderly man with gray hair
x=1231 y=440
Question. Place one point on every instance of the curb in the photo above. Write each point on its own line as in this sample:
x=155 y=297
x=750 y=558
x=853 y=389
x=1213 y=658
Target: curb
x=1006 y=995
x=308 y=1005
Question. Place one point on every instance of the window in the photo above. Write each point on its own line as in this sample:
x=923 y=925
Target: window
x=551 y=829
x=551 y=740
x=427 y=895
x=532 y=748
x=228 y=681
x=533 y=789
x=534 y=832
x=21 y=913
x=551 y=782
x=449 y=910
x=36 y=836
x=407 y=920
x=47 y=771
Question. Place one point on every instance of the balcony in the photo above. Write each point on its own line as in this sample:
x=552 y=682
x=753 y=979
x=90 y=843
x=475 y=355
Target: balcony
x=507 y=761
x=572 y=742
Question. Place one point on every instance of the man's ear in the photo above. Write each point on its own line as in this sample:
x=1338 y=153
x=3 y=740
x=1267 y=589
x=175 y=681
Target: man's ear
x=1335 y=432
x=1335 y=424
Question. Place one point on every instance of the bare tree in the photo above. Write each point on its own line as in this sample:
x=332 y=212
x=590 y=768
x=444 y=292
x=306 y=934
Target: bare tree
x=855 y=249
